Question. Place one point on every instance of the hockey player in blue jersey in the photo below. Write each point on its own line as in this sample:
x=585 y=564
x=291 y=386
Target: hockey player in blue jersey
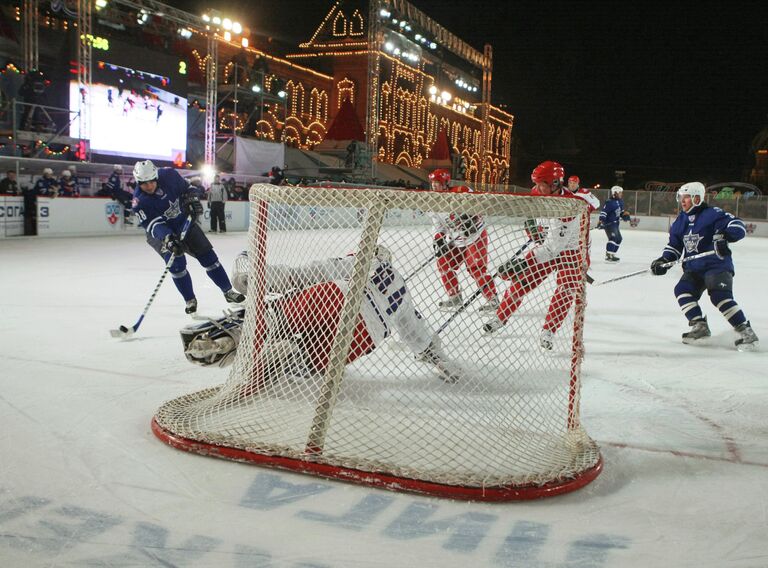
x=613 y=212
x=697 y=229
x=162 y=202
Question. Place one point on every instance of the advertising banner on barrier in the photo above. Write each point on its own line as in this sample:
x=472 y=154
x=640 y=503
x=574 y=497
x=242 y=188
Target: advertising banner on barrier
x=67 y=217
x=11 y=216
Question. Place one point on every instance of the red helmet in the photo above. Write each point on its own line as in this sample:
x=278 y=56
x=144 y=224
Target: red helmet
x=548 y=172
x=441 y=176
x=574 y=178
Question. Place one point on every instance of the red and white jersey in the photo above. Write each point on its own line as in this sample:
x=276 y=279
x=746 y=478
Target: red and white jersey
x=386 y=307
x=459 y=230
x=562 y=234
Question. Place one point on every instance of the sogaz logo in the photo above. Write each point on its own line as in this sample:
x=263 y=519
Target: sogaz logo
x=112 y=211
x=11 y=211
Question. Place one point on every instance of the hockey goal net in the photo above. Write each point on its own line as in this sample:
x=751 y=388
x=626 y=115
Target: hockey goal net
x=503 y=424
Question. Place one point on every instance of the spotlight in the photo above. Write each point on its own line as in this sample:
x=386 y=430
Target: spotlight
x=389 y=46
x=281 y=94
x=256 y=89
x=432 y=90
x=227 y=36
x=142 y=17
x=244 y=42
x=237 y=27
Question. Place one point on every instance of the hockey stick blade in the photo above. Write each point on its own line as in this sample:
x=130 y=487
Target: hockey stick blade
x=122 y=332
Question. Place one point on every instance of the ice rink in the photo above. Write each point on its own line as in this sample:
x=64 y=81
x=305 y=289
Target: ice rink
x=83 y=481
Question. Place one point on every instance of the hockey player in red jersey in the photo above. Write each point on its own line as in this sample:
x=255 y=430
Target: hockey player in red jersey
x=302 y=324
x=556 y=248
x=461 y=239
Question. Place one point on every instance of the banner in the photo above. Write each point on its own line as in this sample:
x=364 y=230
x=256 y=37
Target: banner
x=11 y=216
x=255 y=157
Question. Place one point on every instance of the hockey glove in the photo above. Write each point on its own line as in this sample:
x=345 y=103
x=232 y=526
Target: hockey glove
x=467 y=224
x=172 y=244
x=657 y=266
x=720 y=245
x=192 y=206
x=514 y=267
x=441 y=246
x=625 y=216
x=534 y=230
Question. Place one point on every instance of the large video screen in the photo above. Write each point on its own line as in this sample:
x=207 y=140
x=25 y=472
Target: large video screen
x=134 y=113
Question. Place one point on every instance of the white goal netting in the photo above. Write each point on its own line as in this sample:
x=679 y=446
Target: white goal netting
x=348 y=367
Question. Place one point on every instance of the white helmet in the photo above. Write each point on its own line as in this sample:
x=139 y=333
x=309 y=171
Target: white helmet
x=47 y=172
x=692 y=188
x=118 y=168
x=66 y=173
x=145 y=171
x=617 y=189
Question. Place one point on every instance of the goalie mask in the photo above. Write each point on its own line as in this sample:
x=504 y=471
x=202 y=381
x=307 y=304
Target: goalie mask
x=213 y=342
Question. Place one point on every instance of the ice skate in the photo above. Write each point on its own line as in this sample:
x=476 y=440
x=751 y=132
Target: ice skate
x=611 y=257
x=278 y=359
x=448 y=371
x=492 y=326
x=489 y=307
x=546 y=339
x=748 y=340
x=191 y=306
x=699 y=330
x=233 y=296
x=450 y=304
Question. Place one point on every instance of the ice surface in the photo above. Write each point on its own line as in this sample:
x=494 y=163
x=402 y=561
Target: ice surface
x=83 y=482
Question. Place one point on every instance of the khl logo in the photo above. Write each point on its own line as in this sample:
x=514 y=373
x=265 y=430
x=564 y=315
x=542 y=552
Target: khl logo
x=112 y=211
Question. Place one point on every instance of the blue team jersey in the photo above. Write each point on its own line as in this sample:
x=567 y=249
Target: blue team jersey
x=692 y=233
x=160 y=213
x=611 y=212
x=46 y=186
x=114 y=184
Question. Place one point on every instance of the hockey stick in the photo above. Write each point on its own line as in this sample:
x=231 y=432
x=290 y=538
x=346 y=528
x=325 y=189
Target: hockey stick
x=420 y=268
x=647 y=270
x=124 y=331
x=476 y=293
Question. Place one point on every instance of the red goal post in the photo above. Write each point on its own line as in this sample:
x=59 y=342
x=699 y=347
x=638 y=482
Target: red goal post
x=508 y=429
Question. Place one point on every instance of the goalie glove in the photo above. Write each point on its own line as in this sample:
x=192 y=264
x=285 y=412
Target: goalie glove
x=192 y=206
x=172 y=244
x=657 y=266
x=720 y=244
x=441 y=246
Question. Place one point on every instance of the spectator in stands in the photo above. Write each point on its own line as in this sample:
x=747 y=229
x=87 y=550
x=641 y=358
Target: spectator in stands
x=196 y=187
x=47 y=186
x=217 y=197
x=9 y=185
x=67 y=185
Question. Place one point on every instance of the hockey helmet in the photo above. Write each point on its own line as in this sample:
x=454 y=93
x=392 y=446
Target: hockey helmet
x=213 y=342
x=617 y=190
x=440 y=176
x=549 y=172
x=694 y=189
x=66 y=174
x=144 y=170
x=574 y=179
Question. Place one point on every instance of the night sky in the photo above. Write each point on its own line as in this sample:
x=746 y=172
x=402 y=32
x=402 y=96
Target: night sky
x=667 y=91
